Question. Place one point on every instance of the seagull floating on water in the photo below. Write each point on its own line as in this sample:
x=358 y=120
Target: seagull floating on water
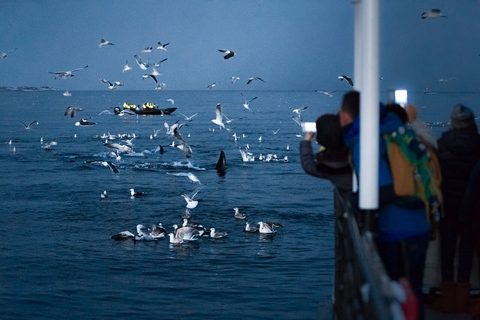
x=158 y=231
x=174 y=239
x=447 y=80
x=186 y=233
x=239 y=215
x=84 y=122
x=228 y=54
x=103 y=195
x=49 y=145
x=249 y=228
x=268 y=227
x=137 y=194
x=123 y=235
x=217 y=234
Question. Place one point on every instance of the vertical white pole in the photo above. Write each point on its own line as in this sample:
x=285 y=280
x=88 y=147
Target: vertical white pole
x=369 y=102
x=358 y=63
x=358 y=41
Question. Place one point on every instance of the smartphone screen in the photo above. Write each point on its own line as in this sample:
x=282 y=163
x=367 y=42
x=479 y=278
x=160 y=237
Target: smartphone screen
x=309 y=127
x=401 y=97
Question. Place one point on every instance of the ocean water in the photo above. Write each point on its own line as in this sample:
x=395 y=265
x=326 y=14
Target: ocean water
x=57 y=256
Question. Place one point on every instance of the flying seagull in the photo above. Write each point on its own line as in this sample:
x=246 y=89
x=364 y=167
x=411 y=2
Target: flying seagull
x=228 y=54
x=254 y=78
x=234 y=79
x=4 y=54
x=126 y=67
x=147 y=50
x=112 y=86
x=162 y=46
x=189 y=175
x=183 y=145
x=188 y=118
x=246 y=104
x=28 y=126
x=327 y=93
x=104 y=43
x=66 y=74
x=145 y=76
x=141 y=64
x=300 y=110
x=152 y=75
x=432 y=14
x=158 y=63
x=348 y=79
x=111 y=166
x=212 y=85
x=72 y=111
x=192 y=204
x=218 y=116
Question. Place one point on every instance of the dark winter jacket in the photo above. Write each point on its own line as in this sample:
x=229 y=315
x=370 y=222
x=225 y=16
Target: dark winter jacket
x=470 y=209
x=458 y=152
x=338 y=171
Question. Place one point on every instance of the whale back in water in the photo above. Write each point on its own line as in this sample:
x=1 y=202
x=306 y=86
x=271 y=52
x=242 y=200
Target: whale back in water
x=221 y=166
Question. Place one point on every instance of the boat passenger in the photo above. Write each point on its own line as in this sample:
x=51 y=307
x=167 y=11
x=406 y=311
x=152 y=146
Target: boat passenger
x=458 y=151
x=331 y=162
x=469 y=226
x=402 y=232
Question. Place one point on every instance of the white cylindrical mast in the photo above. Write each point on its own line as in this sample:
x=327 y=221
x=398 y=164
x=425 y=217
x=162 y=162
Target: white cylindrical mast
x=369 y=82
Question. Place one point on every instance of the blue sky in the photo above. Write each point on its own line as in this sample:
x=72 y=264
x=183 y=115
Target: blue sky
x=292 y=45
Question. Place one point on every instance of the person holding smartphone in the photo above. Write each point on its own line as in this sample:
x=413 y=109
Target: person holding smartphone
x=331 y=162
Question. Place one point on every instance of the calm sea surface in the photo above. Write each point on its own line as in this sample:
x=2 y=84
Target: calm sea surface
x=57 y=257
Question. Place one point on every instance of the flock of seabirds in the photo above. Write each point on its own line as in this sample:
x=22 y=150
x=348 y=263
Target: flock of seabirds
x=187 y=231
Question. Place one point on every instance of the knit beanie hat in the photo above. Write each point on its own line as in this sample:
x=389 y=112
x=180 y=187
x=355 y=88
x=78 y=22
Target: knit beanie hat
x=462 y=117
x=329 y=131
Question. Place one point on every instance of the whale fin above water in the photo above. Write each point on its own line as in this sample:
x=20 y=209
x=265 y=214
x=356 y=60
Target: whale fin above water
x=221 y=166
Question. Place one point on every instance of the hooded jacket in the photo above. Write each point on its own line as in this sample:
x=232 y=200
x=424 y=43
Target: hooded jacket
x=394 y=222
